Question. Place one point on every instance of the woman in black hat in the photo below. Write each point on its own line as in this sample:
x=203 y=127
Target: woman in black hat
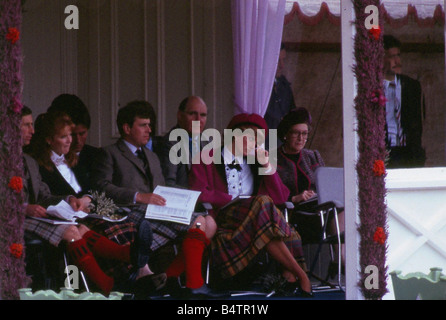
x=296 y=166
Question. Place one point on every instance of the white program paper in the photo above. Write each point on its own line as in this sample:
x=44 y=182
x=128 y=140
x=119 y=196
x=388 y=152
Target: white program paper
x=180 y=205
x=64 y=211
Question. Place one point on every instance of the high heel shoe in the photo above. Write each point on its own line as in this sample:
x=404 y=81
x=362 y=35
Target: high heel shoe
x=303 y=293
x=289 y=289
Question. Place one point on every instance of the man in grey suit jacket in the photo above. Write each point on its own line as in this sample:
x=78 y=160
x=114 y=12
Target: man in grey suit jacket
x=127 y=171
x=124 y=177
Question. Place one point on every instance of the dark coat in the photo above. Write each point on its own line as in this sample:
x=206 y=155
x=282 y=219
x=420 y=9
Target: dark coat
x=413 y=154
x=281 y=102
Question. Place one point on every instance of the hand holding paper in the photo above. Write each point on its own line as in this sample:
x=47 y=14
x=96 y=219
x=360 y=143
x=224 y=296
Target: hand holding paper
x=64 y=211
x=179 y=205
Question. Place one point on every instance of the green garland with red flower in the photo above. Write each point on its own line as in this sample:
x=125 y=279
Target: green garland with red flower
x=370 y=167
x=12 y=264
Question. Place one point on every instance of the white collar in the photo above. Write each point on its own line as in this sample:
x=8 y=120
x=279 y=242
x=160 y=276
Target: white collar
x=132 y=148
x=57 y=160
x=228 y=157
x=387 y=82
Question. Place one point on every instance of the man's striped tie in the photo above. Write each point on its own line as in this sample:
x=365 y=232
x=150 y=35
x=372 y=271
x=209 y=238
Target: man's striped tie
x=400 y=136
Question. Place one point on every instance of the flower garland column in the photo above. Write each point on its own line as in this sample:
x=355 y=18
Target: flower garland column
x=12 y=265
x=370 y=113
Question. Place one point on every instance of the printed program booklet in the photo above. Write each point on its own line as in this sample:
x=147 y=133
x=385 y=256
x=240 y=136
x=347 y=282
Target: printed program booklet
x=62 y=213
x=180 y=205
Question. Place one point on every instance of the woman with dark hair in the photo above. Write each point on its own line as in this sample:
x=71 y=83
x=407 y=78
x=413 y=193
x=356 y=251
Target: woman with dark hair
x=254 y=223
x=296 y=166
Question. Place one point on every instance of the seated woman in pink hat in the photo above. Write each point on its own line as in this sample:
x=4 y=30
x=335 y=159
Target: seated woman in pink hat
x=254 y=223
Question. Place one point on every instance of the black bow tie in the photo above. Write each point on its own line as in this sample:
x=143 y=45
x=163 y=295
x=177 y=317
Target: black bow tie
x=234 y=165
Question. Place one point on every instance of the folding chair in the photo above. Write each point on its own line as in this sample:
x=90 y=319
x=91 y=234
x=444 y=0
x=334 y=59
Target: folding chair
x=330 y=199
x=67 y=282
x=36 y=266
x=44 y=262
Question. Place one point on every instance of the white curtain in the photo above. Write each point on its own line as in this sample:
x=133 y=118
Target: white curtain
x=257 y=34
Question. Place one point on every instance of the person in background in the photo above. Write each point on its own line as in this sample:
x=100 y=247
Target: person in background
x=282 y=99
x=404 y=113
x=76 y=109
x=191 y=109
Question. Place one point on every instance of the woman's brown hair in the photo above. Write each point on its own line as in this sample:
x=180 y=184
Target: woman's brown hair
x=47 y=125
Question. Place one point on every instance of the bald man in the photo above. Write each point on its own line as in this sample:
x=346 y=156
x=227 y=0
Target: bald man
x=192 y=108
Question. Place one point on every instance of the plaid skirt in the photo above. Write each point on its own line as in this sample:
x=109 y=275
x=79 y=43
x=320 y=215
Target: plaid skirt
x=163 y=231
x=120 y=232
x=123 y=233
x=244 y=229
x=49 y=232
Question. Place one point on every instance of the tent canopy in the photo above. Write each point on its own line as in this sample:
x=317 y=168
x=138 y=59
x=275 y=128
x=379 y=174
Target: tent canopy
x=396 y=12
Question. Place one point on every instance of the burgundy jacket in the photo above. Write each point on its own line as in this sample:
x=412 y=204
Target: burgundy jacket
x=210 y=179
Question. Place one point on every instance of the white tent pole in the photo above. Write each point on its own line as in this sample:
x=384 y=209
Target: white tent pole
x=350 y=152
x=444 y=39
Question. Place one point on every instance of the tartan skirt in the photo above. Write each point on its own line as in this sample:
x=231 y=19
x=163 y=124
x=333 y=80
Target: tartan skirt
x=120 y=232
x=49 y=232
x=244 y=229
x=163 y=231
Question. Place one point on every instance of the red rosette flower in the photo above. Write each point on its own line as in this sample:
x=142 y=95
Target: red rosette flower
x=13 y=35
x=379 y=236
x=16 y=250
x=379 y=168
x=16 y=184
x=375 y=32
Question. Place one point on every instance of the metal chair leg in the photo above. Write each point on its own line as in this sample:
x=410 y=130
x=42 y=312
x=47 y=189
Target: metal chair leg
x=68 y=277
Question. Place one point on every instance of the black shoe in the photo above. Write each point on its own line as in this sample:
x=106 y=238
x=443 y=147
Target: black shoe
x=204 y=293
x=146 y=286
x=302 y=293
x=175 y=290
x=288 y=289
